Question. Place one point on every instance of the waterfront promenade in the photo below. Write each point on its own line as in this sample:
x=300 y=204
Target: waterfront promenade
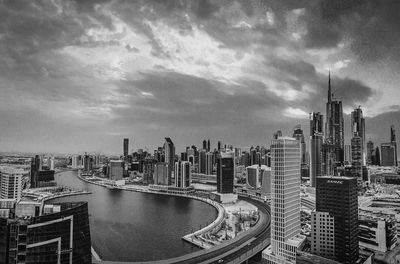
x=226 y=248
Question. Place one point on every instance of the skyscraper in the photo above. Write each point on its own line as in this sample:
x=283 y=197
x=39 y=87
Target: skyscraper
x=299 y=135
x=202 y=161
x=394 y=142
x=126 y=147
x=253 y=176
x=160 y=176
x=285 y=201
x=358 y=126
x=347 y=154
x=35 y=167
x=10 y=184
x=370 y=151
x=182 y=174
x=58 y=237
x=388 y=154
x=208 y=145
x=377 y=157
x=169 y=150
x=316 y=142
x=335 y=221
x=334 y=126
x=209 y=163
x=225 y=172
x=356 y=158
x=205 y=144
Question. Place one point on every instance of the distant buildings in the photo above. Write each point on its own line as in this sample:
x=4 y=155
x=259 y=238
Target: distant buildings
x=370 y=153
x=39 y=176
x=388 y=154
x=253 y=176
x=335 y=220
x=347 y=155
x=161 y=174
x=126 y=147
x=169 y=150
x=209 y=168
x=182 y=174
x=316 y=143
x=10 y=184
x=299 y=135
x=116 y=170
x=265 y=174
x=356 y=158
x=358 y=128
x=225 y=172
x=285 y=201
x=148 y=170
x=394 y=142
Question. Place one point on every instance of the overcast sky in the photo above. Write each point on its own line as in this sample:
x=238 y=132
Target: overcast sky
x=82 y=75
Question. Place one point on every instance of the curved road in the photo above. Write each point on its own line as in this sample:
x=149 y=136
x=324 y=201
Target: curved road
x=259 y=236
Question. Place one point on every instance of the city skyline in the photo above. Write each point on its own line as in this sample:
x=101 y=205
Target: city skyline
x=80 y=76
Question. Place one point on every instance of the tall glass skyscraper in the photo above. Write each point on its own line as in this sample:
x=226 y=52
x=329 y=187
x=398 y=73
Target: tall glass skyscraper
x=285 y=201
x=316 y=142
x=358 y=129
x=225 y=172
x=334 y=126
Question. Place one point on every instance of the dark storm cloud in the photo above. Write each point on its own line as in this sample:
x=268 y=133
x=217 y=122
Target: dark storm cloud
x=44 y=46
x=370 y=26
x=190 y=101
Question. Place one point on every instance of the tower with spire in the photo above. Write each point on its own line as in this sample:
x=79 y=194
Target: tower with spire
x=334 y=132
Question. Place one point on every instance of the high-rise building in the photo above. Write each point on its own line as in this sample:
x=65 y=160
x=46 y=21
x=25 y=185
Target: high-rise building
x=169 y=150
x=334 y=222
x=208 y=145
x=126 y=147
x=394 y=142
x=62 y=236
x=161 y=174
x=356 y=158
x=209 y=163
x=358 y=126
x=87 y=162
x=35 y=167
x=202 y=161
x=75 y=162
x=10 y=184
x=388 y=154
x=347 y=154
x=225 y=172
x=219 y=145
x=182 y=174
x=299 y=135
x=148 y=170
x=370 y=152
x=377 y=157
x=316 y=143
x=334 y=126
x=265 y=173
x=253 y=174
x=285 y=201
x=205 y=144
x=116 y=170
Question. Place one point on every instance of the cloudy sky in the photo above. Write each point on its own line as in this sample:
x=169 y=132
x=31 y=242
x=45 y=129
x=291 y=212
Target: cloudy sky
x=81 y=75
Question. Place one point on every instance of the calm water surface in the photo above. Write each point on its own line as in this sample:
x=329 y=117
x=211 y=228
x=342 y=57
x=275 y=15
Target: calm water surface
x=132 y=226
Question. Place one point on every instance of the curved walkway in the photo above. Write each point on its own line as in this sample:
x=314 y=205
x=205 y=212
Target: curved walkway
x=240 y=248
x=248 y=243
